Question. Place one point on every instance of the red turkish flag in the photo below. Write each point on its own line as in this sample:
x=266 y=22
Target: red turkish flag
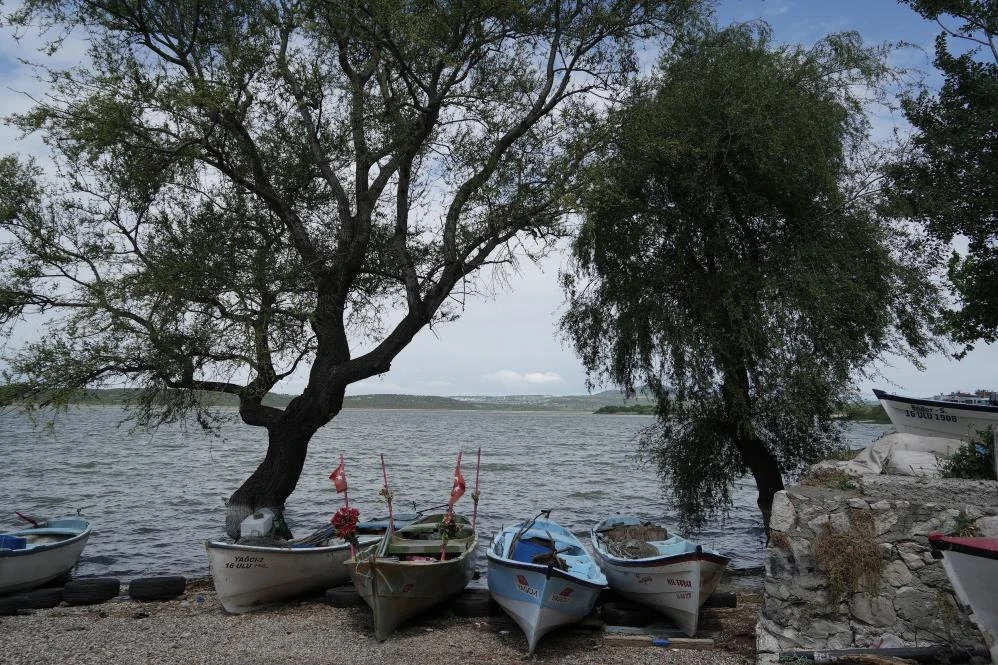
x=339 y=477
x=458 y=490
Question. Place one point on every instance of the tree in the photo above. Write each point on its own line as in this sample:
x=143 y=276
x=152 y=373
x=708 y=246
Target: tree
x=948 y=180
x=732 y=260
x=249 y=189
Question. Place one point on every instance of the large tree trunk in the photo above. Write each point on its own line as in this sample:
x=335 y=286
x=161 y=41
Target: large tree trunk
x=276 y=477
x=765 y=470
x=754 y=453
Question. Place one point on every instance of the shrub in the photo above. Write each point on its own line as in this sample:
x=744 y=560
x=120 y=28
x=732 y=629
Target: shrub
x=973 y=459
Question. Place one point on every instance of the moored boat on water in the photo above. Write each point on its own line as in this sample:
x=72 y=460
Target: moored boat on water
x=540 y=574
x=972 y=567
x=934 y=417
x=415 y=568
x=41 y=553
x=670 y=574
x=253 y=574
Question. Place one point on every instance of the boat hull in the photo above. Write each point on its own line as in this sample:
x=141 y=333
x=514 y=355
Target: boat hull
x=674 y=585
x=927 y=417
x=972 y=567
x=251 y=577
x=397 y=590
x=676 y=588
x=539 y=600
x=51 y=552
x=540 y=596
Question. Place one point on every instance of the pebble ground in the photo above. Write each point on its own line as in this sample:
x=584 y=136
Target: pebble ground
x=194 y=629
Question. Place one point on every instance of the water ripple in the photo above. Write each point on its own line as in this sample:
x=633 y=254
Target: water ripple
x=155 y=498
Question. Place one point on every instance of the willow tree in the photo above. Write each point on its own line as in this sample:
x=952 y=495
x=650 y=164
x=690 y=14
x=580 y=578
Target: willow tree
x=252 y=189
x=732 y=259
x=947 y=179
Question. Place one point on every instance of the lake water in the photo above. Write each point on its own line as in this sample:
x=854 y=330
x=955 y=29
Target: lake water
x=154 y=498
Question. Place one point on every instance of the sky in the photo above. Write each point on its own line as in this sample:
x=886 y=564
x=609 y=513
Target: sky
x=509 y=343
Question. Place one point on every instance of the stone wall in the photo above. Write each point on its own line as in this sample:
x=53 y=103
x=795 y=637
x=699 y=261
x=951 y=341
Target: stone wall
x=910 y=599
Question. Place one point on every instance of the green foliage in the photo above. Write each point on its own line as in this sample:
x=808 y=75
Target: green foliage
x=948 y=177
x=830 y=478
x=731 y=251
x=973 y=459
x=253 y=188
x=633 y=409
x=866 y=413
x=964 y=527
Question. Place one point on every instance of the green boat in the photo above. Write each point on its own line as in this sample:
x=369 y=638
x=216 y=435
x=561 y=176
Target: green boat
x=415 y=568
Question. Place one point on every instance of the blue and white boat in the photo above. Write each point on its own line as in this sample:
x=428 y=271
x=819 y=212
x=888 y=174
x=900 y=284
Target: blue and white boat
x=31 y=557
x=540 y=574
x=670 y=574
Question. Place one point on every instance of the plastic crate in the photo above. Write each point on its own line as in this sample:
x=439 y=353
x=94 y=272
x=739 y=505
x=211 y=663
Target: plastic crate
x=526 y=550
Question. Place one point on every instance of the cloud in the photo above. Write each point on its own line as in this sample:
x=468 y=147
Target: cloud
x=512 y=379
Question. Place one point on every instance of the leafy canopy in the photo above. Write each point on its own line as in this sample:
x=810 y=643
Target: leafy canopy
x=246 y=189
x=949 y=178
x=732 y=259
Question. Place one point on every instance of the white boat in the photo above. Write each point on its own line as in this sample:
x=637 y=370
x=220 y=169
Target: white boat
x=933 y=417
x=670 y=574
x=540 y=574
x=413 y=569
x=972 y=567
x=31 y=557
x=248 y=576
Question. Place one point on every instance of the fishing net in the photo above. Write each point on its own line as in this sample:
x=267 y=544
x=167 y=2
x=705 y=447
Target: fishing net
x=631 y=541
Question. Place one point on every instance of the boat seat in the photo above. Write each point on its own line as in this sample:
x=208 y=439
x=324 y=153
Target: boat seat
x=425 y=547
x=576 y=564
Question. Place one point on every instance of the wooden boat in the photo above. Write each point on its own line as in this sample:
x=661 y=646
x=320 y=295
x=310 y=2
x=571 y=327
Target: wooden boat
x=253 y=574
x=931 y=417
x=667 y=573
x=972 y=567
x=413 y=569
x=31 y=557
x=540 y=574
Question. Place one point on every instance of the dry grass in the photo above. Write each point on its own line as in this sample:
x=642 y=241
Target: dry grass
x=851 y=558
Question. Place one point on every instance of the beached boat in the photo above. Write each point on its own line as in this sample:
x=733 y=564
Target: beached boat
x=31 y=557
x=540 y=574
x=972 y=567
x=932 y=417
x=250 y=574
x=645 y=564
x=414 y=568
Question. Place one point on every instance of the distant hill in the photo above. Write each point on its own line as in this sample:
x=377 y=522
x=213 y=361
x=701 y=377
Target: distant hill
x=579 y=403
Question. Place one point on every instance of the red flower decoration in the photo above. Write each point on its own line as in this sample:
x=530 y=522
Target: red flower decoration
x=345 y=522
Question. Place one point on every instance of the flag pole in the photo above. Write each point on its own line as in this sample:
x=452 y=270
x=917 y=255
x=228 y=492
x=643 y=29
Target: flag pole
x=474 y=495
x=388 y=497
x=450 y=505
x=346 y=497
x=346 y=500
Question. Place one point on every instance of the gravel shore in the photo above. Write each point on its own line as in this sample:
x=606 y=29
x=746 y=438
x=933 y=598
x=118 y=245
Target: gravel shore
x=195 y=629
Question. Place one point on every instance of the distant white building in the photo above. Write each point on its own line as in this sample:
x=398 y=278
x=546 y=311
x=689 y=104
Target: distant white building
x=978 y=397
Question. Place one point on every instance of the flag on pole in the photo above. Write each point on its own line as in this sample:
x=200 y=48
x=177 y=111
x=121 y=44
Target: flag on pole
x=457 y=491
x=339 y=477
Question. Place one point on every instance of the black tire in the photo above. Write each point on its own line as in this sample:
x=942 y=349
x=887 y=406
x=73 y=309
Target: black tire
x=40 y=599
x=91 y=591
x=620 y=613
x=9 y=605
x=343 y=596
x=157 y=588
x=472 y=604
x=722 y=599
